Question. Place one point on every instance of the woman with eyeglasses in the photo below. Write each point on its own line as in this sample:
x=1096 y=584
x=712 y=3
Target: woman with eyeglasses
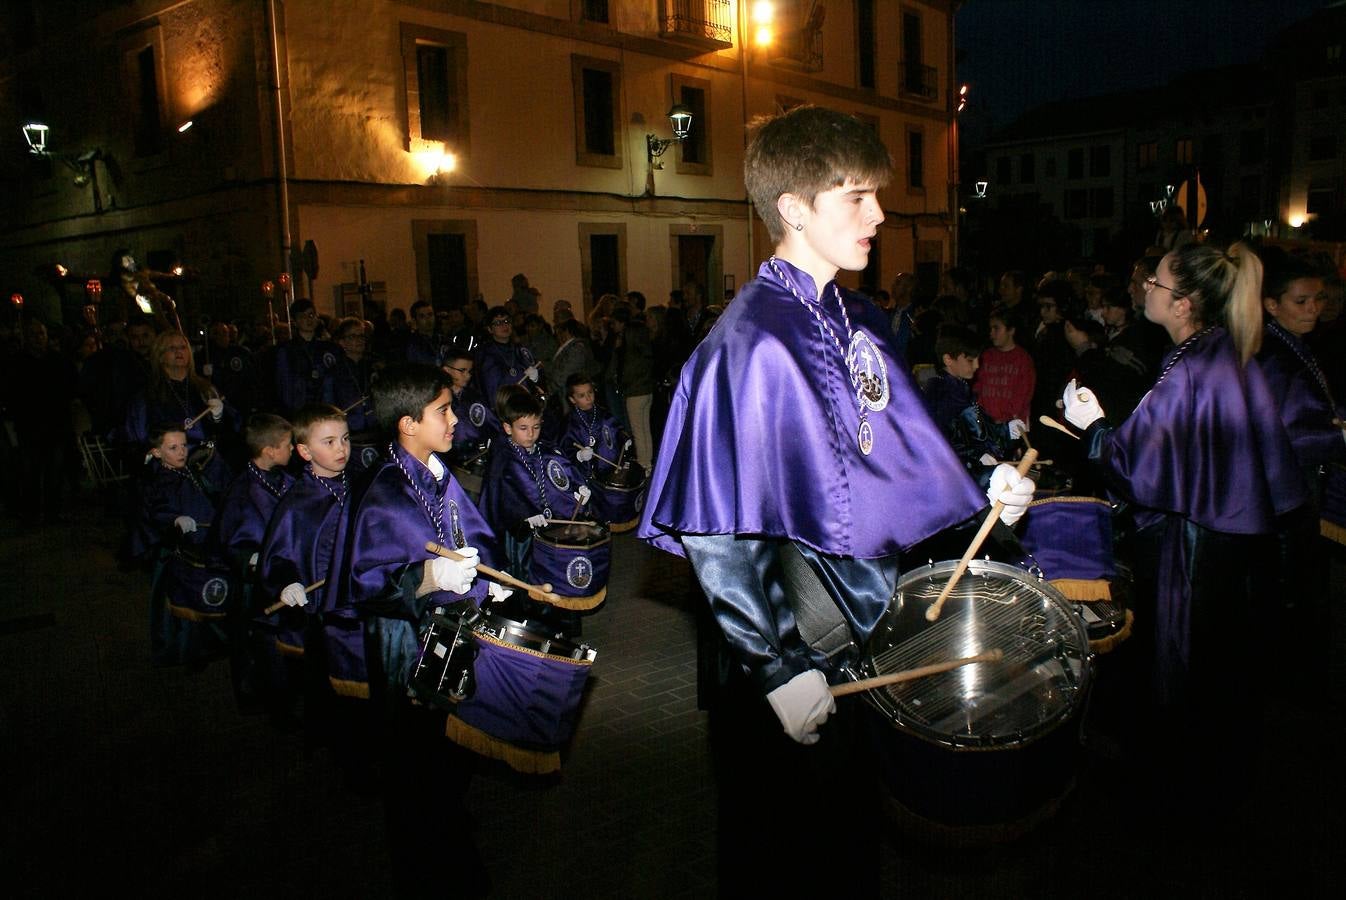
x=1209 y=469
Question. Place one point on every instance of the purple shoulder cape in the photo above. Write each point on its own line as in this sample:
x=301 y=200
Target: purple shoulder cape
x=1207 y=444
x=303 y=539
x=761 y=434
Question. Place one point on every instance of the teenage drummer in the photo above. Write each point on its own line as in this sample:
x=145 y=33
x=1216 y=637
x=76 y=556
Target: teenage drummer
x=792 y=424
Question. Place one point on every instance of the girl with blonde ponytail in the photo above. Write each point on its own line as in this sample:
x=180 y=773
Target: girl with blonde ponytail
x=1208 y=468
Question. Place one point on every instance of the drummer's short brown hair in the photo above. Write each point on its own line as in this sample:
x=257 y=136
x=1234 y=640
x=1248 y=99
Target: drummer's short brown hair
x=313 y=415
x=806 y=151
x=264 y=430
x=514 y=402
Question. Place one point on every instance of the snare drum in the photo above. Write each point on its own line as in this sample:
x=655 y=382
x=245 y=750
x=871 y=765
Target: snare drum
x=988 y=746
x=367 y=450
x=574 y=560
x=195 y=589
x=469 y=462
x=512 y=693
x=1070 y=540
x=621 y=495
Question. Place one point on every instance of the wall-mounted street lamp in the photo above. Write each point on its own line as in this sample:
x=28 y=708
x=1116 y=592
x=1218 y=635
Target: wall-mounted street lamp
x=84 y=165
x=680 y=117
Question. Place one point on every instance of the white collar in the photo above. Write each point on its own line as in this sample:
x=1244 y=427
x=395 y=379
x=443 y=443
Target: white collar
x=436 y=467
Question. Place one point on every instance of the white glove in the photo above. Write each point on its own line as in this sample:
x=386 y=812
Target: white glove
x=498 y=592
x=583 y=494
x=1082 y=409
x=252 y=562
x=294 y=595
x=531 y=372
x=1017 y=429
x=216 y=407
x=538 y=521
x=585 y=454
x=454 y=575
x=802 y=704
x=185 y=524
x=1013 y=490
x=627 y=445
x=987 y=459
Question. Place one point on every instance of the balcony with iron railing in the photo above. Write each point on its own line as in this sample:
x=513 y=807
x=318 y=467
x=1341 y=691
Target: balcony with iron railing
x=705 y=23
x=917 y=80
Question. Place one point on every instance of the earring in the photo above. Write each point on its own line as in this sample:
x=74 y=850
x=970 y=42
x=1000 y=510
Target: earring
x=799 y=226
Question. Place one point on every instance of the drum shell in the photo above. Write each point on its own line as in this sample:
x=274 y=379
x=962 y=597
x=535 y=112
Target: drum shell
x=194 y=588
x=1070 y=538
x=368 y=449
x=1333 y=513
x=574 y=559
x=525 y=697
x=469 y=462
x=621 y=495
x=985 y=776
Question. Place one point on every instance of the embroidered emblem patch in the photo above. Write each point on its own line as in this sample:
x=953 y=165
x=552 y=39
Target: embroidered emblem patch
x=870 y=369
x=236 y=364
x=329 y=360
x=476 y=414
x=369 y=456
x=558 y=475
x=214 y=592
x=580 y=572
x=456 y=525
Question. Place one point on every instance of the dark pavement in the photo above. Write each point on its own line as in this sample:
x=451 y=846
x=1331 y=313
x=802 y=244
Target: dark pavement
x=122 y=778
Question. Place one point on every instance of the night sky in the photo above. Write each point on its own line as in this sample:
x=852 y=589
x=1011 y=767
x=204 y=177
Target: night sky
x=1018 y=54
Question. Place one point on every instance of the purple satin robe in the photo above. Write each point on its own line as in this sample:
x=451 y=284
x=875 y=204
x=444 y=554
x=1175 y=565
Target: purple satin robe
x=385 y=550
x=166 y=494
x=1206 y=443
x=498 y=365
x=512 y=492
x=1303 y=397
x=477 y=422
x=761 y=435
x=246 y=510
x=598 y=429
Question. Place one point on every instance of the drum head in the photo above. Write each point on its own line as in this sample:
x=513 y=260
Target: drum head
x=574 y=536
x=630 y=476
x=1040 y=683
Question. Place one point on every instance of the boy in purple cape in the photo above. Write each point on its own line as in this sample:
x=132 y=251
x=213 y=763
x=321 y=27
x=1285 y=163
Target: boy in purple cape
x=793 y=425
x=387 y=574
x=593 y=438
x=241 y=525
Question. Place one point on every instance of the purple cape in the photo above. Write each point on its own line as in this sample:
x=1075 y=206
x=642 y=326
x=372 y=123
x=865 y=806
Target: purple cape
x=302 y=539
x=246 y=510
x=1206 y=443
x=761 y=435
x=510 y=492
x=166 y=494
x=1303 y=397
x=498 y=365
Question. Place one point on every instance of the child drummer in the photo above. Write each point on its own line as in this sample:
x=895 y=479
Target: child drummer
x=791 y=424
x=592 y=438
x=409 y=500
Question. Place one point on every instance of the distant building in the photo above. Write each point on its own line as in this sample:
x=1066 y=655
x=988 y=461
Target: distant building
x=1266 y=139
x=449 y=145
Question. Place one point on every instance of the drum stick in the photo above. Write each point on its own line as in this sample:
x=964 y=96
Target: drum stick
x=1015 y=462
x=280 y=604
x=192 y=422
x=569 y=522
x=1052 y=423
x=355 y=404
x=933 y=612
x=580 y=446
x=868 y=684
x=540 y=592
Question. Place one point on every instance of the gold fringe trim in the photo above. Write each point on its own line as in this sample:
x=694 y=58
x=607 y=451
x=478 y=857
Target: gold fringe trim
x=622 y=527
x=527 y=762
x=344 y=687
x=1109 y=643
x=580 y=604
x=538 y=653
x=1068 y=499
x=1083 y=590
x=289 y=649
x=191 y=615
x=1332 y=531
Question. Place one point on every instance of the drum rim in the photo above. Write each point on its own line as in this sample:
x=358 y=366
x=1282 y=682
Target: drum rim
x=895 y=714
x=565 y=545
x=516 y=634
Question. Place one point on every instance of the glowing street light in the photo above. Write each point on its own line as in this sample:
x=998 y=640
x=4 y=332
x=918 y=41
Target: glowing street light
x=763 y=13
